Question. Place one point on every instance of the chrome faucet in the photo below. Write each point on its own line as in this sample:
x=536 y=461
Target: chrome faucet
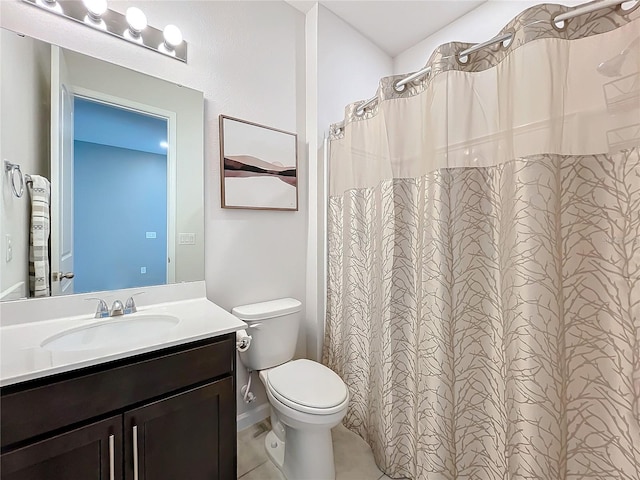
x=130 y=306
x=102 y=311
x=117 y=309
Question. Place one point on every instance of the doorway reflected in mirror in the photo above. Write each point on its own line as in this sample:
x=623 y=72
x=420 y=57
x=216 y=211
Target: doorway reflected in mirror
x=120 y=197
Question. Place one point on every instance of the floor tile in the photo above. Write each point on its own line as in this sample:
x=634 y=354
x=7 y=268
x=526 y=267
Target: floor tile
x=266 y=471
x=385 y=477
x=251 y=453
x=353 y=456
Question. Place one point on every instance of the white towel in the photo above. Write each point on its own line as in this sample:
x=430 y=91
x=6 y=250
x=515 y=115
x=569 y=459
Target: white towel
x=40 y=190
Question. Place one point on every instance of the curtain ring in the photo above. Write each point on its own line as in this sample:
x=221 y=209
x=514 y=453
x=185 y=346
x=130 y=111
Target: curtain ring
x=505 y=44
x=12 y=168
x=399 y=88
x=559 y=26
x=462 y=59
x=620 y=10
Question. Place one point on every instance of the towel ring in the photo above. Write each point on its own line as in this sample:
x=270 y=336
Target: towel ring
x=12 y=168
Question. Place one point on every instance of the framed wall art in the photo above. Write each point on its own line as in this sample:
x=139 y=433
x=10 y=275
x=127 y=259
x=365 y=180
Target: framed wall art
x=258 y=166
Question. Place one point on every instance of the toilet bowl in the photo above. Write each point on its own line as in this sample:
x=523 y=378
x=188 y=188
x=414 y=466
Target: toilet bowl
x=307 y=399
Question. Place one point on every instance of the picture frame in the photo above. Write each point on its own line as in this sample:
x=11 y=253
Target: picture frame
x=258 y=166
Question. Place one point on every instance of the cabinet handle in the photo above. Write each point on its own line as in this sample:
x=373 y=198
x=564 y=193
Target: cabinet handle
x=112 y=473
x=135 y=452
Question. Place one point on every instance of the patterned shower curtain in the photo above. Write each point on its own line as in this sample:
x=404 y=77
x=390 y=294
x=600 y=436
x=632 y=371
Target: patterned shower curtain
x=484 y=258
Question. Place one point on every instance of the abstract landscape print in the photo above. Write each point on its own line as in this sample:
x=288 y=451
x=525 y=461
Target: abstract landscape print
x=258 y=166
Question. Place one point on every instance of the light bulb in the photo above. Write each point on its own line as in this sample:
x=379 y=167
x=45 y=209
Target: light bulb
x=96 y=8
x=132 y=37
x=51 y=5
x=136 y=19
x=172 y=36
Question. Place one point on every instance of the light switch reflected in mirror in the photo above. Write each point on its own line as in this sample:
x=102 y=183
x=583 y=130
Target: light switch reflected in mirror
x=124 y=153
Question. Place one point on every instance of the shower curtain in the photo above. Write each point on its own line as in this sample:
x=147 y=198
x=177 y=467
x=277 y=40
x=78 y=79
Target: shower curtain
x=484 y=257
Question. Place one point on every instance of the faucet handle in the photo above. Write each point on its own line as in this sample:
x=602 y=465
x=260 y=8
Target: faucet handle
x=103 y=310
x=117 y=308
x=130 y=304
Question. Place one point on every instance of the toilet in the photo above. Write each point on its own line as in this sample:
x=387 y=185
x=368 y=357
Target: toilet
x=307 y=399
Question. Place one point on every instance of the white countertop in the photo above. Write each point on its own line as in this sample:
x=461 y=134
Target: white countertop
x=23 y=358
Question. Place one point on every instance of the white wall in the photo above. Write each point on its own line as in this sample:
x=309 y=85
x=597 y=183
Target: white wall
x=478 y=25
x=26 y=74
x=248 y=59
x=342 y=66
x=314 y=311
x=349 y=68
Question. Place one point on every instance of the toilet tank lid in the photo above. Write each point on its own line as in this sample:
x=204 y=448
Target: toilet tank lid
x=265 y=310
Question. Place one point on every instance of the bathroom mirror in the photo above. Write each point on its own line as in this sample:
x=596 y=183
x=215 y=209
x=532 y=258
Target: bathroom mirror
x=124 y=154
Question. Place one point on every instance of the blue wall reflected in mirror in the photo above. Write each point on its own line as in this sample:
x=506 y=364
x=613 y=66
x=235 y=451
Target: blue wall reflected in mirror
x=120 y=197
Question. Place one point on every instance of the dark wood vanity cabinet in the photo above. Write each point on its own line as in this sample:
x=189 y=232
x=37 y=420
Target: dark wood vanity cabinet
x=169 y=414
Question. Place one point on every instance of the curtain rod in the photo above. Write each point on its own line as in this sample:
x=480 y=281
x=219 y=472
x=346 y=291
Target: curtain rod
x=506 y=37
x=587 y=8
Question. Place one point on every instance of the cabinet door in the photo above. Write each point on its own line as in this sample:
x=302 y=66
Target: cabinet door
x=93 y=452
x=189 y=435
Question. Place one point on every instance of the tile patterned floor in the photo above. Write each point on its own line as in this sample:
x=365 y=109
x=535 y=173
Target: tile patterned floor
x=353 y=457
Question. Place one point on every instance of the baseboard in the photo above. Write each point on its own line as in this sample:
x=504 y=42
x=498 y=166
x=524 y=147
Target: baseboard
x=253 y=416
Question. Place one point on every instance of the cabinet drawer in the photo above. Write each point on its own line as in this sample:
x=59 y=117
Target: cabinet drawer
x=111 y=387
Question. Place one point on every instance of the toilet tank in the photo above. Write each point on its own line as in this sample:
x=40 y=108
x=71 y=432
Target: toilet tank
x=273 y=326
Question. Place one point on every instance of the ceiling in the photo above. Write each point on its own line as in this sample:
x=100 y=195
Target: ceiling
x=105 y=124
x=395 y=25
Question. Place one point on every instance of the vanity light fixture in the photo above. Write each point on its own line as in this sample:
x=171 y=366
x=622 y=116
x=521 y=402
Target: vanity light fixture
x=172 y=37
x=51 y=5
x=131 y=26
x=137 y=21
x=95 y=8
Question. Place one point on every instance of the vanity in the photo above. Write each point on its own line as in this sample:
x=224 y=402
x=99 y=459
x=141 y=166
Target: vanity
x=160 y=406
x=148 y=394
x=145 y=395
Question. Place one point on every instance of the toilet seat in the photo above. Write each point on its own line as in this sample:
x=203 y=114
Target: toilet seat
x=308 y=387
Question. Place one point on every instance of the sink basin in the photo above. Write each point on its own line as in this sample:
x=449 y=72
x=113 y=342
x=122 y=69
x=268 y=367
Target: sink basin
x=110 y=333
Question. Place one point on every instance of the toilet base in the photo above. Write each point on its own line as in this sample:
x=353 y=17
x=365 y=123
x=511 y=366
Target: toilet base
x=275 y=449
x=307 y=456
